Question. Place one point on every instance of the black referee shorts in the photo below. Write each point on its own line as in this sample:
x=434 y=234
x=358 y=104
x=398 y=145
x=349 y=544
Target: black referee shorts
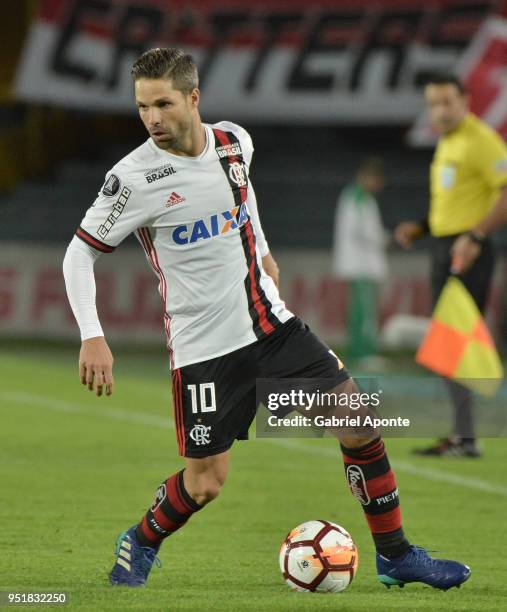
x=477 y=279
x=215 y=400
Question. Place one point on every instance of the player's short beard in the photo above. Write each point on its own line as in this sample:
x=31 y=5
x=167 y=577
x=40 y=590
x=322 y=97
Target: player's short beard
x=171 y=143
x=175 y=140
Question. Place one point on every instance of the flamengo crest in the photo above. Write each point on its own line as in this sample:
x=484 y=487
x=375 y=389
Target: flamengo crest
x=237 y=174
x=200 y=434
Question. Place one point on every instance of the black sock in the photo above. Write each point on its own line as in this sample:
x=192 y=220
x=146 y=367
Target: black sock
x=470 y=441
x=391 y=544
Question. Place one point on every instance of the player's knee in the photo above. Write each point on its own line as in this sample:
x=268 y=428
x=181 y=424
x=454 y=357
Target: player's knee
x=205 y=477
x=207 y=489
x=355 y=441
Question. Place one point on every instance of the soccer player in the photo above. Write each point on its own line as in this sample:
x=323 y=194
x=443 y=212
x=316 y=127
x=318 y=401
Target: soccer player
x=468 y=183
x=186 y=194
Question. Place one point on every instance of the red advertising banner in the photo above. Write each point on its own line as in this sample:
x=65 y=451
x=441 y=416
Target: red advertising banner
x=325 y=61
x=483 y=70
x=33 y=301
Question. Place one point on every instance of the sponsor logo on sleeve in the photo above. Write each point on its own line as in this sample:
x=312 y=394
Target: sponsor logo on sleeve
x=118 y=207
x=111 y=186
x=229 y=150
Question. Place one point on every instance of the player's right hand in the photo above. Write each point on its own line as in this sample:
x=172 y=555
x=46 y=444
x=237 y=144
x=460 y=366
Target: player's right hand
x=96 y=365
x=406 y=232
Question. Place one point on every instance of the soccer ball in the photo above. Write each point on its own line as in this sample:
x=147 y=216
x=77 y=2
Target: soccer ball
x=318 y=556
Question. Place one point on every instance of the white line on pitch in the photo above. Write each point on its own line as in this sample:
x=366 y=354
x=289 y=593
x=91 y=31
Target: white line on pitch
x=76 y=407
x=402 y=466
x=152 y=420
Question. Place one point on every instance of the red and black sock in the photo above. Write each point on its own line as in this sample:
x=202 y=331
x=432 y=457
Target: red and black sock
x=171 y=509
x=372 y=483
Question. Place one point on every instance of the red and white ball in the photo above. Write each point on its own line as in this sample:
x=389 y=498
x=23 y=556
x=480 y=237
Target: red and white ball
x=318 y=556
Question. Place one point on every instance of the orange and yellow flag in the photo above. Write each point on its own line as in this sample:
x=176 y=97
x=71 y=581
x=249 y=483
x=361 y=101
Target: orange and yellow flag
x=458 y=344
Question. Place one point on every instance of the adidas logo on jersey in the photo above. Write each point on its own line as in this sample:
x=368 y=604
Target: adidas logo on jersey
x=173 y=199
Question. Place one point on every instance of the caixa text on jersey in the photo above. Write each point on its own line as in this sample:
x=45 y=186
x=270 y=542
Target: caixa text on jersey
x=218 y=224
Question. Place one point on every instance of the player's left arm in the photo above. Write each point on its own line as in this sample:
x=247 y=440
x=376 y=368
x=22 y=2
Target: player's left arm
x=268 y=261
x=491 y=164
x=271 y=268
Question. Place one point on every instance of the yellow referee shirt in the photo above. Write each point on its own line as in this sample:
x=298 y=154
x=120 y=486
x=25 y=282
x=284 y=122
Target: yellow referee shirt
x=468 y=170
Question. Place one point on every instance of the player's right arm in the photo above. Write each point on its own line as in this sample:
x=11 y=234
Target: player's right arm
x=108 y=221
x=95 y=358
x=407 y=232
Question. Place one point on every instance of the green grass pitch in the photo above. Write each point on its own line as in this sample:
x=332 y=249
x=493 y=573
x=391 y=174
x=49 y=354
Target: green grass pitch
x=76 y=470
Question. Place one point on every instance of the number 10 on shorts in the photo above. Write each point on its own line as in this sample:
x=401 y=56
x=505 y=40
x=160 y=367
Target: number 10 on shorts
x=204 y=400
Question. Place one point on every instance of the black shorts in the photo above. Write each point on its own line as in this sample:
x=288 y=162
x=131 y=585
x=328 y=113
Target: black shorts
x=215 y=400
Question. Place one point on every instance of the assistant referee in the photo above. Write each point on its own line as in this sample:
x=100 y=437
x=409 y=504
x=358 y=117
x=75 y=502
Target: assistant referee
x=468 y=200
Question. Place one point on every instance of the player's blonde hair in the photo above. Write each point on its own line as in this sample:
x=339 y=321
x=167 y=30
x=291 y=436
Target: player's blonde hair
x=168 y=63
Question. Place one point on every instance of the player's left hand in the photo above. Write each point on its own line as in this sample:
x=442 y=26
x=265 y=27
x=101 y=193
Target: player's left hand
x=271 y=268
x=464 y=252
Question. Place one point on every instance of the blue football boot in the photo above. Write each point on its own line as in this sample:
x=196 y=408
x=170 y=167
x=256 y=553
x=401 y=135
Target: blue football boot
x=417 y=566
x=133 y=561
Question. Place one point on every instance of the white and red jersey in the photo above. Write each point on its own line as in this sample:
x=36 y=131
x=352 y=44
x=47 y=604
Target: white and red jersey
x=197 y=221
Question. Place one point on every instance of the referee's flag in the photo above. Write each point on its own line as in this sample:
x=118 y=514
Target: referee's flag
x=458 y=344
